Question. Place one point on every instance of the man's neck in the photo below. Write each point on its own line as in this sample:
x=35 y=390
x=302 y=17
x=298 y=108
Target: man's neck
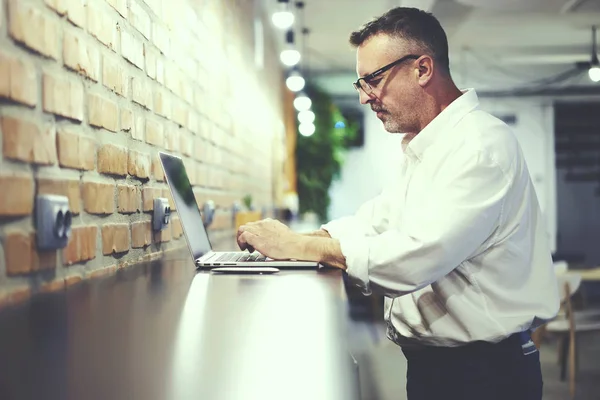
x=437 y=100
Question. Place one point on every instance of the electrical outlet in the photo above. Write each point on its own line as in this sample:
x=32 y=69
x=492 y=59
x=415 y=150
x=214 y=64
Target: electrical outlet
x=53 y=222
x=162 y=213
x=208 y=213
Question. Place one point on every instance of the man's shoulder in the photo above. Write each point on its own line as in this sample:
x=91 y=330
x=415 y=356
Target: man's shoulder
x=482 y=132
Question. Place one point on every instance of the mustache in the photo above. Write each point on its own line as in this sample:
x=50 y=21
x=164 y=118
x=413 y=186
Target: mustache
x=377 y=109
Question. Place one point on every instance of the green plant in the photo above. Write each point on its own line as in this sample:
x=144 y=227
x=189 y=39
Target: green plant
x=247 y=200
x=319 y=157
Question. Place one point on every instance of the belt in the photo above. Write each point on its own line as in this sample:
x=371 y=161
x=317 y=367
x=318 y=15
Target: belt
x=522 y=339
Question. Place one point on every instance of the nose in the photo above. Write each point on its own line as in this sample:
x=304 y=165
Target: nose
x=364 y=97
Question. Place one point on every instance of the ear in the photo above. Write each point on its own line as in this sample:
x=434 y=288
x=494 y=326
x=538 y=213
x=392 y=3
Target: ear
x=424 y=70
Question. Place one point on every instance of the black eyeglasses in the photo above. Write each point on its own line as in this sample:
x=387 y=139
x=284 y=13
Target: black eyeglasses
x=364 y=85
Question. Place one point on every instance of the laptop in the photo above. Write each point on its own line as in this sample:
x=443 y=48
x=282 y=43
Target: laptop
x=195 y=232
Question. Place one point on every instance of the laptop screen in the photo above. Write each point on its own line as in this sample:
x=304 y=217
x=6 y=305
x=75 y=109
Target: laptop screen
x=187 y=208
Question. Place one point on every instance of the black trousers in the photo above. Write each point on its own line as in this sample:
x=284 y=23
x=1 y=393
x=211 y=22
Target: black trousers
x=477 y=371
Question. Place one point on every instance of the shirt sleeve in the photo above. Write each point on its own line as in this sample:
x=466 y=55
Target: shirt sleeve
x=369 y=220
x=460 y=213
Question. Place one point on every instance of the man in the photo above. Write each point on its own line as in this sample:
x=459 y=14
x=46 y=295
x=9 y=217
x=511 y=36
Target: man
x=457 y=245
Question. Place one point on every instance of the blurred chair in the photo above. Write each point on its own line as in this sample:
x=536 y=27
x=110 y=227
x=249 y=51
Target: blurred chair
x=568 y=325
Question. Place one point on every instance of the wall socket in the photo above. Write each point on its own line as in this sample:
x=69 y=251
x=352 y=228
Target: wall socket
x=53 y=222
x=162 y=214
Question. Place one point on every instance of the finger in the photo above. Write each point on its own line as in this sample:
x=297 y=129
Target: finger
x=249 y=241
x=241 y=243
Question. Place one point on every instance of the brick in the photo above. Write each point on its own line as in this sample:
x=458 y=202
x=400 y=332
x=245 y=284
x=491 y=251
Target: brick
x=138 y=164
x=201 y=149
x=132 y=49
x=151 y=56
x=79 y=56
x=26 y=141
x=87 y=243
x=172 y=139
x=114 y=76
x=160 y=70
x=155 y=6
x=126 y=119
x=155 y=132
x=98 y=198
x=103 y=272
x=222 y=220
x=76 y=12
x=82 y=245
x=72 y=280
x=157 y=170
x=188 y=93
x=176 y=227
x=112 y=160
x=148 y=196
x=20 y=202
x=22 y=16
x=173 y=78
x=62 y=187
x=18 y=80
x=54 y=286
x=62 y=96
x=60 y=6
x=102 y=26
x=18 y=251
x=128 y=199
x=164 y=235
x=167 y=194
x=140 y=92
x=141 y=234
x=193 y=122
x=74 y=150
x=74 y=9
x=180 y=114
x=162 y=103
x=115 y=238
x=22 y=256
x=103 y=112
x=5 y=70
x=119 y=5
x=139 y=127
x=185 y=143
x=203 y=175
x=160 y=38
x=139 y=19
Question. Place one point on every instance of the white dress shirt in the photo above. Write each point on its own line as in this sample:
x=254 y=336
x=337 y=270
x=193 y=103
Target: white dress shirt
x=457 y=243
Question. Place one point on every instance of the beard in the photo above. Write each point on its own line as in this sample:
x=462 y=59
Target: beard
x=391 y=122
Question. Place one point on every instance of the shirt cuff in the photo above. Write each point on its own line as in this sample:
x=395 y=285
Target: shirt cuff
x=355 y=249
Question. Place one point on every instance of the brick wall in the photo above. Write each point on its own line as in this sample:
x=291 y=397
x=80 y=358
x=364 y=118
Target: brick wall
x=90 y=90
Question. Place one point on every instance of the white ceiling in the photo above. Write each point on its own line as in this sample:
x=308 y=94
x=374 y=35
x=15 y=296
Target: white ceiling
x=523 y=39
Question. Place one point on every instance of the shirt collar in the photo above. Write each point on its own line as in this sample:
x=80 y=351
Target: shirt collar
x=443 y=122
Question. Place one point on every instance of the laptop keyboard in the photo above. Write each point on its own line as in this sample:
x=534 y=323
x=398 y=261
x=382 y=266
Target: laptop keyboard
x=241 y=257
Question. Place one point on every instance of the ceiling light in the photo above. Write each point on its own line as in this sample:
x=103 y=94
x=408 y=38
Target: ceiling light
x=594 y=73
x=306 y=117
x=302 y=103
x=306 y=129
x=295 y=82
x=283 y=18
x=290 y=57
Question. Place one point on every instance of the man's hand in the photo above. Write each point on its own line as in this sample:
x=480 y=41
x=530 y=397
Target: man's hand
x=271 y=238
